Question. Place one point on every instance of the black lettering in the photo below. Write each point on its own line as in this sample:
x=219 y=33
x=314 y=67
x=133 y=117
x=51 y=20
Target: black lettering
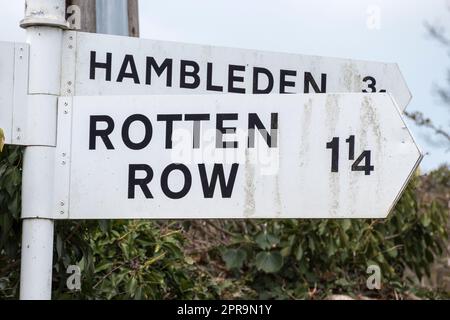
x=232 y=78
x=128 y=61
x=226 y=187
x=99 y=65
x=255 y=122
x=256 y=72
x=283 y=82
x=196 y=130
x=367 y=167
x=103 y=133
x=209 y=85
x=371 y=85
x=169 y=119
x=142 y=182
x=334 y=146
x=166 y=65
x=193 y=74
x=221 y=130
x=309 y=81
x=126 y=132
x=165 y=181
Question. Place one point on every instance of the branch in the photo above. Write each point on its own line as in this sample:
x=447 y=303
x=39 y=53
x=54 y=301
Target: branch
x=437 y=34
x=420 y=120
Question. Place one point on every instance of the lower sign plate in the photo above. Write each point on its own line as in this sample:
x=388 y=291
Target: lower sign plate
x=231 y=156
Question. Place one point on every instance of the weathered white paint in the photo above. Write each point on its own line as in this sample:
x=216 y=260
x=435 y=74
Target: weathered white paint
x=37 y=257
x=43 y=21
x=343 y=75
x=13 y=90
x=50 y=13
x=6 y=88
x=292 y=181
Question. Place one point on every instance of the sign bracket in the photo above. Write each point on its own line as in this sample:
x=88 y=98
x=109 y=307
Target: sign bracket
x=63 y=159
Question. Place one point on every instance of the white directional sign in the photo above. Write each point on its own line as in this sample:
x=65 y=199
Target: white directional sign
x=231 y=156
x=13 y=90
x=96 y=64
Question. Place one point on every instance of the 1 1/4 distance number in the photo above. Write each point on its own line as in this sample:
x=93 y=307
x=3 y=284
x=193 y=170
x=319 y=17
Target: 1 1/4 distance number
x=362 y=163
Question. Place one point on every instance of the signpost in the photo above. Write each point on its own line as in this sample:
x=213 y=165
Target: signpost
x=95 y=64
x=44 y=21
x=231 y=156
x=103 y=143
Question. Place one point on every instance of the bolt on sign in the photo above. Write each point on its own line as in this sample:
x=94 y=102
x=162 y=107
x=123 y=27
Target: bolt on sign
x=13 y=90
x=96 y=64
x=231 y=156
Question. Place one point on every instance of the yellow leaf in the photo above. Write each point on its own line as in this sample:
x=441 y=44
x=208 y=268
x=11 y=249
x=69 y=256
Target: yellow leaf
x=153 y=260
x=2 y=139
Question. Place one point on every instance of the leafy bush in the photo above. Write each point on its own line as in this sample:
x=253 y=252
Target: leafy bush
x=315 y=258
x=127 y=260
x=10 y=235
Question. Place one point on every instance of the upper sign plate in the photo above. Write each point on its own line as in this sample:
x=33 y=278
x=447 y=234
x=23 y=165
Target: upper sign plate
x=95 y=64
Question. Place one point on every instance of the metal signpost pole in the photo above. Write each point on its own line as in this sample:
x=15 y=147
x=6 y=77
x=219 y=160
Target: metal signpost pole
x=44 y=22
x=112 y=17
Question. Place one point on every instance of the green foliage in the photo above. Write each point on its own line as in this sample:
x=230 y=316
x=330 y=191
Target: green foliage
x=269 y=262
x=10 y=236
x=234 y=258
x=313 y=258
x=127 y=260
x=237 y=259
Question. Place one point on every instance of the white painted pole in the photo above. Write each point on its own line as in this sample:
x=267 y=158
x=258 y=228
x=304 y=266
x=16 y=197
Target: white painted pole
x=37 y=255
x=44 y=21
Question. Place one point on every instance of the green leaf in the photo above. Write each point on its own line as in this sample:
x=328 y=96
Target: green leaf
x=132 y=285
x=103 y=266
x=311 y=244
x=322 y=227
x=299 y=253
x=138 y=295
x=104 y=225
x=425 y=219
x=266 y=240
x=331 y=248
x=125 y=250
x=342 y=282
x=59 y=245
x=346 y=224
x=393 y=252
x=269 y=262
x=234 y=258
x=286 y=251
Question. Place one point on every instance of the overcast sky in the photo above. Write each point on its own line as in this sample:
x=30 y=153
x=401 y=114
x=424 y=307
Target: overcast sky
x=380 y=30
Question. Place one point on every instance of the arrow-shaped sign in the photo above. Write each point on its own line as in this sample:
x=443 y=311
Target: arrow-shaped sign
x=95 y=64
x=231 y=156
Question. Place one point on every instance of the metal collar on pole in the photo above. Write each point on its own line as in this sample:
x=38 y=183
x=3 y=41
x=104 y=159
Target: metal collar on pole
x=49 y=13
